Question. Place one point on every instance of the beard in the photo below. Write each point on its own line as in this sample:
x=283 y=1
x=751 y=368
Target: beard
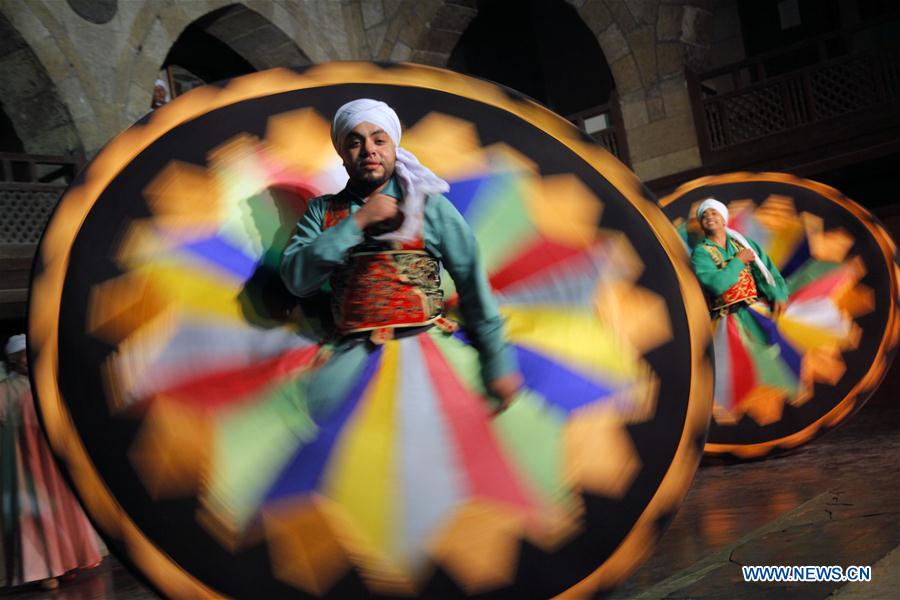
x=367 y=181
x=372 y=179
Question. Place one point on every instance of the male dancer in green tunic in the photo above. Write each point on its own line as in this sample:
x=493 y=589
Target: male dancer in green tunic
x=733 y=270
x=380 y=243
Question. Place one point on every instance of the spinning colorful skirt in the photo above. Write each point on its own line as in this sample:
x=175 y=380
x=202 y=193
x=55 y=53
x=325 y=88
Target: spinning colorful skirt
x=43 y=531
x=223 y=450
x=782 y=382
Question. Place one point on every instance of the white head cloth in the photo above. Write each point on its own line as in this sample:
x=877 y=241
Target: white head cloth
x=165 y=86
x=712 y=203
x=15 y=344
x=416 y=180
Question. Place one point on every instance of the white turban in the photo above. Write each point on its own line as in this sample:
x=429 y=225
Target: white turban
x=715 y=205
x=712 y=203
x=165 y=86
x=416 y=180
x=15 y=344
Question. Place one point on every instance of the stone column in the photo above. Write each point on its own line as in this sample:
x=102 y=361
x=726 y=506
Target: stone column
x=647 y=45
x=659 y=123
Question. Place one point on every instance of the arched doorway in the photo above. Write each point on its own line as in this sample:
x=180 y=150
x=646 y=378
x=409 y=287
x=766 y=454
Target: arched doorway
x=544 y=50
x=231 y=41
x=35 y=120
x=9 y=139
x=39 y=152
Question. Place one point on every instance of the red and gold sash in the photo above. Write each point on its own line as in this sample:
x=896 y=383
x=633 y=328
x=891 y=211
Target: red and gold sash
x=383 y=284
x=744 y=291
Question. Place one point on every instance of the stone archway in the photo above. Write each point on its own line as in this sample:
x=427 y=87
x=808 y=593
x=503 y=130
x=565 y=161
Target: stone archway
x=543 y=50
x=648 y=44
x=419 y=31
x=228 y=42
x=31 y=102
x=247 y=28
x=256 y=39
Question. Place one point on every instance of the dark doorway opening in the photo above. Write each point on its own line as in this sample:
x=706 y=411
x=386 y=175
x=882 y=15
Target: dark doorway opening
x=540 y=48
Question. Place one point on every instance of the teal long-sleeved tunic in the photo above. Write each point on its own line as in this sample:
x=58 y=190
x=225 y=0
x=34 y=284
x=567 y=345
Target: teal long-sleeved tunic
x=312 y=254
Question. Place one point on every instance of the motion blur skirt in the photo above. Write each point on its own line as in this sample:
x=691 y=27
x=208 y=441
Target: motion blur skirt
x=225 y=451
x=44 y=531
x=781 y=383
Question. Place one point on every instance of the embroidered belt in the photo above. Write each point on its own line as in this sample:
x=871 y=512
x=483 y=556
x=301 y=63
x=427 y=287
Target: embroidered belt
x=387 y=289
x=742 y=292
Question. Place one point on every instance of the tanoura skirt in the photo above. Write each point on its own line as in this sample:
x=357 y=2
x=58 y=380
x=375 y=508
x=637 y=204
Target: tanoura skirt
x=45 y=533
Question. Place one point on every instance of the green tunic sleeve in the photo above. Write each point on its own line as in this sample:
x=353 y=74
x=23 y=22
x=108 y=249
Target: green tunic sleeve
x=714 y=280
x=450 y=239
x=4 y=399
x=777 y=292
x=312 y=254
x=717 y=281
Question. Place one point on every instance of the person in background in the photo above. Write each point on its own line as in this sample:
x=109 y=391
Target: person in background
x=733 y=270
x=43 y=531
x=161 y=94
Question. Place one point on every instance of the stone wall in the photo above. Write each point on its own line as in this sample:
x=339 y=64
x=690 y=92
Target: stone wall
x=104 y=72
x=647 y=44
x=30 y=99
x=100 y=58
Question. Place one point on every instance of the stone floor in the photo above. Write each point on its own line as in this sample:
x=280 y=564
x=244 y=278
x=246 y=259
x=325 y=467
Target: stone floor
x=833 y=502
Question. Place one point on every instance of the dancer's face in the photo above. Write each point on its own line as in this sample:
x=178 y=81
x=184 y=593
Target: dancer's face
x=19 y=362
x=712 y=222
x=369 y=155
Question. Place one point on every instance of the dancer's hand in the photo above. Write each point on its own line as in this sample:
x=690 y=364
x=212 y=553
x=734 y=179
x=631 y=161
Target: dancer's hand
x=745 y=255
x=505 y=389
x=377 y=209
x=778 y=309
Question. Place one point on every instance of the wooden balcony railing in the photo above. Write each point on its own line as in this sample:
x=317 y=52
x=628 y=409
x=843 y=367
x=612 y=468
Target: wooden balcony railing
x=30 y=187
x=850 y=84
x=36 y=169
x=604 y=124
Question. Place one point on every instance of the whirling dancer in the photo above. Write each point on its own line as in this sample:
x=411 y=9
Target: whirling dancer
x=734 y=272
x=44 y=532
x=373 y=463
x=380 y=243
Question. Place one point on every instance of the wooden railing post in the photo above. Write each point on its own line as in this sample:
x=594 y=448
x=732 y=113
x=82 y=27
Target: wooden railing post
x=618 y=123
x=695 y=95
x=613 y=138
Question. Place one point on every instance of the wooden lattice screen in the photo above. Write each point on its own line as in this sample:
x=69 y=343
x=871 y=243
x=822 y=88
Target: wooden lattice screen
x=826 y=91
x=741 y=103
x=30 y=186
